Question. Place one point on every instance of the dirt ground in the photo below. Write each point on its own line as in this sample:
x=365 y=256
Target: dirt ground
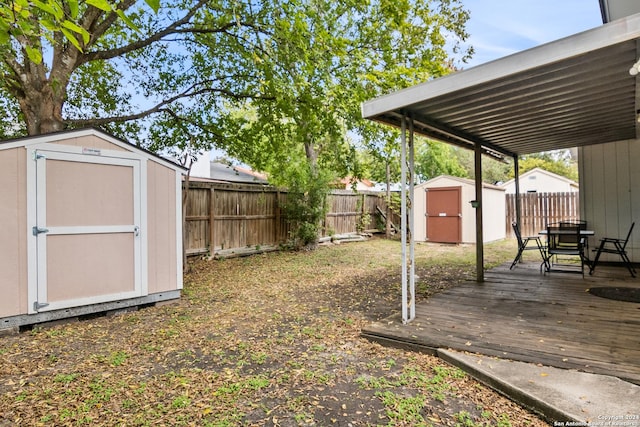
x=267 y=340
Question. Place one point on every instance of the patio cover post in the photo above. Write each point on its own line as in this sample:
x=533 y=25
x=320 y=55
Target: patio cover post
x=516 y=168
x=412 y=241
x=479 y=234
x=408 y=300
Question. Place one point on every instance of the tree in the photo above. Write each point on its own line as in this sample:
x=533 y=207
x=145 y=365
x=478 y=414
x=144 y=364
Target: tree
x=435 y=158
x=69 y=63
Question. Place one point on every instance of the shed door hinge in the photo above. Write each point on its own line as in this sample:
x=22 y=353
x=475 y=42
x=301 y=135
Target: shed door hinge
x=38 y=156
x=37 y=230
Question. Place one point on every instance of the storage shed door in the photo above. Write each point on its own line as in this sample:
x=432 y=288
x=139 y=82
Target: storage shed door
x=87 y=231
x=444 y=214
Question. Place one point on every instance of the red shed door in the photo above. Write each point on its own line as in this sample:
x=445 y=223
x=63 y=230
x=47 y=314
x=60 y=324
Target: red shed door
x=444 y=214
x=87 y=229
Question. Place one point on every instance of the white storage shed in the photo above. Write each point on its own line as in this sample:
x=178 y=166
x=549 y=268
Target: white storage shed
x=88 y=223
x=444 y=213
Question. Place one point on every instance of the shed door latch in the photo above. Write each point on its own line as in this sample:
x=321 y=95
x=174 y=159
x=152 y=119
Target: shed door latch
x=37 y=230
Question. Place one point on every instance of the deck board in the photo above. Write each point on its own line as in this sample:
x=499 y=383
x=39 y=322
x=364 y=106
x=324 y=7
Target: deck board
x=524 y=315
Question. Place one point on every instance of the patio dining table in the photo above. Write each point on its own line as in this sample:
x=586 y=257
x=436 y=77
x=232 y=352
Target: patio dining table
x=584 y=234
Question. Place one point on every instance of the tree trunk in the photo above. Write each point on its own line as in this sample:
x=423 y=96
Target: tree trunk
x=312 y=157
x=42 y=110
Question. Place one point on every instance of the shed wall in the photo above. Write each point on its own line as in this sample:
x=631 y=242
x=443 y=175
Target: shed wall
x=13 y=230
x=494 y=215
x=162 y=223
x=610 y=192
x=419 y=214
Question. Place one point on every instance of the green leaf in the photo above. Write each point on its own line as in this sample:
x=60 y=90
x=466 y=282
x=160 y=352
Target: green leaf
x=73 y=8
x=34 y=54
x=72 y=38
x=49 y=24
x=100 y=4
x=77 y=29
x=127 y=20
x=154 y=4
x=4 y=36
x=56 y=12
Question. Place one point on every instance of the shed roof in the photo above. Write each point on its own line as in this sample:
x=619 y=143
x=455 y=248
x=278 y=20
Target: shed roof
x=464 y=181
x=60 y=136
x=572 y=92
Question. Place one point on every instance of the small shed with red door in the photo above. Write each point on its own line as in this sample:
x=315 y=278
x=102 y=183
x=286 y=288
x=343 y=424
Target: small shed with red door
x=88 y=223
x=444 y=211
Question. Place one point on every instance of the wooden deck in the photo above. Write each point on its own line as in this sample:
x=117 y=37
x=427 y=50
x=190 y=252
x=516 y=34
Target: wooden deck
x=527 y=316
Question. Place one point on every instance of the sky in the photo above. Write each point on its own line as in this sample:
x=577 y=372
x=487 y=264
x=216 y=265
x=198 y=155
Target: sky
x=498 y=28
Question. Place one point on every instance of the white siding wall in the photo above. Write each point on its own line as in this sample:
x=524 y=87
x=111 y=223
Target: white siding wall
x=610 y=192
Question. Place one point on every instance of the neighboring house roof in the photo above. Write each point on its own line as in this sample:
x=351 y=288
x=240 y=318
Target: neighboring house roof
x=362 y=183
x=382 y=186
x=561 y=180
x=464 y=181
x=225 y=172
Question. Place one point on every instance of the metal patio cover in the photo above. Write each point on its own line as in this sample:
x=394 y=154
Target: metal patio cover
x=572 y=92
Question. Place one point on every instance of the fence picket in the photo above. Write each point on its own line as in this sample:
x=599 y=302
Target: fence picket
x=539 y=209
x=235 y=216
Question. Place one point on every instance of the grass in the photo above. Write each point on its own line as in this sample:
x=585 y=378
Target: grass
x=272 y=339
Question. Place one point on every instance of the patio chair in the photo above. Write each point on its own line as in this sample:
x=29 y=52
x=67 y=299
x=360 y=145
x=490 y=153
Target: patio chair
x=564 y=240
x=609 y=245
x=583 y=226
x=523 y=243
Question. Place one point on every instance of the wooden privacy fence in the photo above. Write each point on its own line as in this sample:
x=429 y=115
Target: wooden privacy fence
x=539 y=209
x=237 y=217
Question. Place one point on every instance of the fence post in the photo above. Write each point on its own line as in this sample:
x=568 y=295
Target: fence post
x=212 y=222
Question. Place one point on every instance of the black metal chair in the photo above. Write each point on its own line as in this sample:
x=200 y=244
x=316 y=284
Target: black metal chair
x=522 y=244
x=609 y=245
x=564 y=240
x=583 y=226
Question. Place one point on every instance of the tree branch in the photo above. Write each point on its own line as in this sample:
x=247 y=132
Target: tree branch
x=97 y=28
x=162 y=106
x=102 y=27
